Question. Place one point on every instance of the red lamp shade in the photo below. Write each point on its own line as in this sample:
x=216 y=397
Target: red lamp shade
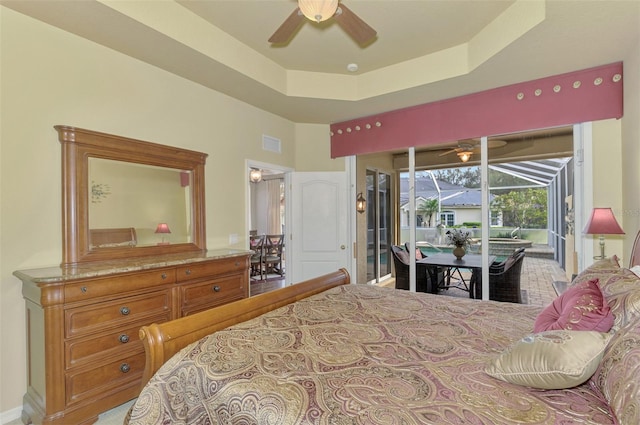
x=602 y=222
x=163 y=228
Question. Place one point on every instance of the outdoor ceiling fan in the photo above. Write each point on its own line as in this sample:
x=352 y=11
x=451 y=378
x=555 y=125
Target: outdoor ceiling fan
x=468 y=147
x=322 y=10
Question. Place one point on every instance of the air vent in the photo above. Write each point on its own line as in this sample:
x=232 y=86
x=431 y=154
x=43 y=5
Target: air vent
x=271 y=144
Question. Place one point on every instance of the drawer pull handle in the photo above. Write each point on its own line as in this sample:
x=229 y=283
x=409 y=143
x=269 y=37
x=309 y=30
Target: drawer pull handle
x=124 y=367
x=84 y=289
x=163 y=275
x=124 y=338
x=187 y=272
x=237 y=264
x=215 y=288
x=125 y=311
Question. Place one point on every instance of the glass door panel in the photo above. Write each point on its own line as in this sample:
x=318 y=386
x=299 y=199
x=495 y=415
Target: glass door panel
x=372 y=256
x=379 y=226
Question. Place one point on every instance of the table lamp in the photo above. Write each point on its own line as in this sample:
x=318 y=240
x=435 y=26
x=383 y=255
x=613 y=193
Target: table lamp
x=602 y=222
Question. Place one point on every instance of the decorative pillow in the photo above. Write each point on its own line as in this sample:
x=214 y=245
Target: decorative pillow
x=551 y=359
x=622 y=292
x=419 y=254
x=582 y=307
x=620 y=287
x=635 y=270
x=618 y=376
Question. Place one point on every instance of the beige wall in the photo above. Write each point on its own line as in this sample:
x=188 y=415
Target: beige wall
x=607 y=178
x=52 y=77
x=630 y=124
x=313 y=150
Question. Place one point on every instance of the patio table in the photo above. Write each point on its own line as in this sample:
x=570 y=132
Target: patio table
x=472 y=262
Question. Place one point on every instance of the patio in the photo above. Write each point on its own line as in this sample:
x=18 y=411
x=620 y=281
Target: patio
x=538 y=275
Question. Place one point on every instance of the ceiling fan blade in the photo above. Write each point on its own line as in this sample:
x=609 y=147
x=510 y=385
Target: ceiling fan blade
x=495 y=143
x=358 y=29
x=491 y=143
x=449 y=151
x=288 y=27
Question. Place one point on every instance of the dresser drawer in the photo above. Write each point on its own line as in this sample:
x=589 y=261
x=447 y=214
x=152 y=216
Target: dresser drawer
x=210 y=269
x=116 y=285
x=102 y=316
x=212 y=293
x=92 y=349
x=96 y=382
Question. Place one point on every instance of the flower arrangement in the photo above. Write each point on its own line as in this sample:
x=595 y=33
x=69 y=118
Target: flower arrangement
x=459 y=237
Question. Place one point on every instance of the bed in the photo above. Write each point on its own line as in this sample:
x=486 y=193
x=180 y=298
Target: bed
x=115 y=237
x=328 y=352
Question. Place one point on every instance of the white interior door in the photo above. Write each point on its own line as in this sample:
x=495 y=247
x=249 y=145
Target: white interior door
x=319 y=219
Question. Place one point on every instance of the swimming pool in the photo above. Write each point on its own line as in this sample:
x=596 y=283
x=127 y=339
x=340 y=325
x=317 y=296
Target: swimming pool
x=430 y=250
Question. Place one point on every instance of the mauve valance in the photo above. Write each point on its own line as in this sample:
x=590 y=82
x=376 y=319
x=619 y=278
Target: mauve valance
x=580 y=96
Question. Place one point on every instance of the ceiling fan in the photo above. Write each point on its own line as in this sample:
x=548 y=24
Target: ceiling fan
x=467 y=148
x=321 y=10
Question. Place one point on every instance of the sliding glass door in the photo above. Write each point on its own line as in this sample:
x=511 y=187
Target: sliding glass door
x=379 y=226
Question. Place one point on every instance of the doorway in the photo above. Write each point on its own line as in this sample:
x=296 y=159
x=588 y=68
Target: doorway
x=267 y=219
x=534 y=157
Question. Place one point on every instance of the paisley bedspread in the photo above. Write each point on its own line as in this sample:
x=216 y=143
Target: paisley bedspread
x=360 y=354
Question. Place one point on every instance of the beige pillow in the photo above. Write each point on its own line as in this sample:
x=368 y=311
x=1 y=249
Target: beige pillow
x=551 y=360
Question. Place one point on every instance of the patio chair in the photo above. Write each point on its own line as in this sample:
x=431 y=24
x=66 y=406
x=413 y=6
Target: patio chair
x=419 y=253
x=498 y=266
x=504 y=285
x=401 y=263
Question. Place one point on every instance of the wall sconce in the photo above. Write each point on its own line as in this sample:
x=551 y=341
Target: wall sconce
x=464 y=155
x=602 y=222
x=255 y=175
x=361 y=203
x=163 y=228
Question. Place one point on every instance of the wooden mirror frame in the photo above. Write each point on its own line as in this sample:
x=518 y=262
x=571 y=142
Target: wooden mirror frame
x=78 y=145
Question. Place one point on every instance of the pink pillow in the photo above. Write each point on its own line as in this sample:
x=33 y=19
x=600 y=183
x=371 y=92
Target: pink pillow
x=582 y=307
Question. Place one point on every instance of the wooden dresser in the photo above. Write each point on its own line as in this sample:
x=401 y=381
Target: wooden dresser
x=83 y=352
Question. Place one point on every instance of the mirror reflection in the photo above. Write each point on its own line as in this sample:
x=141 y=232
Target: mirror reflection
x=138 y=205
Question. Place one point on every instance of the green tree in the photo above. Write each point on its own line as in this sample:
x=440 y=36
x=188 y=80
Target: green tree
x=468 y=177
x=526 y=208
x=427 y=208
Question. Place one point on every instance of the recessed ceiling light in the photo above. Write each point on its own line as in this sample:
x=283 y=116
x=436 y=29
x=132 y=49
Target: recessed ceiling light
x=352 y=67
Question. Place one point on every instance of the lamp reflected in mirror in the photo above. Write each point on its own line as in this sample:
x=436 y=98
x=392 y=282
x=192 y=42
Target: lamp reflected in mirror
x=163 y=229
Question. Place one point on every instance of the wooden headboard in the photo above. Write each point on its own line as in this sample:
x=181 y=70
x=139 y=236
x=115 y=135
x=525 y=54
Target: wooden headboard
x=161 y=341
x=112 y=237
x=634 y=259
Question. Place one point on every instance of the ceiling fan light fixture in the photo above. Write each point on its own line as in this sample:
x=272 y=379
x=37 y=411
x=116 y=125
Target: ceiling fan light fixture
x=318 y=10
x=465 y=155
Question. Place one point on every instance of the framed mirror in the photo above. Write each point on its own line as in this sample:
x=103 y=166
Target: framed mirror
x=124 y=198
